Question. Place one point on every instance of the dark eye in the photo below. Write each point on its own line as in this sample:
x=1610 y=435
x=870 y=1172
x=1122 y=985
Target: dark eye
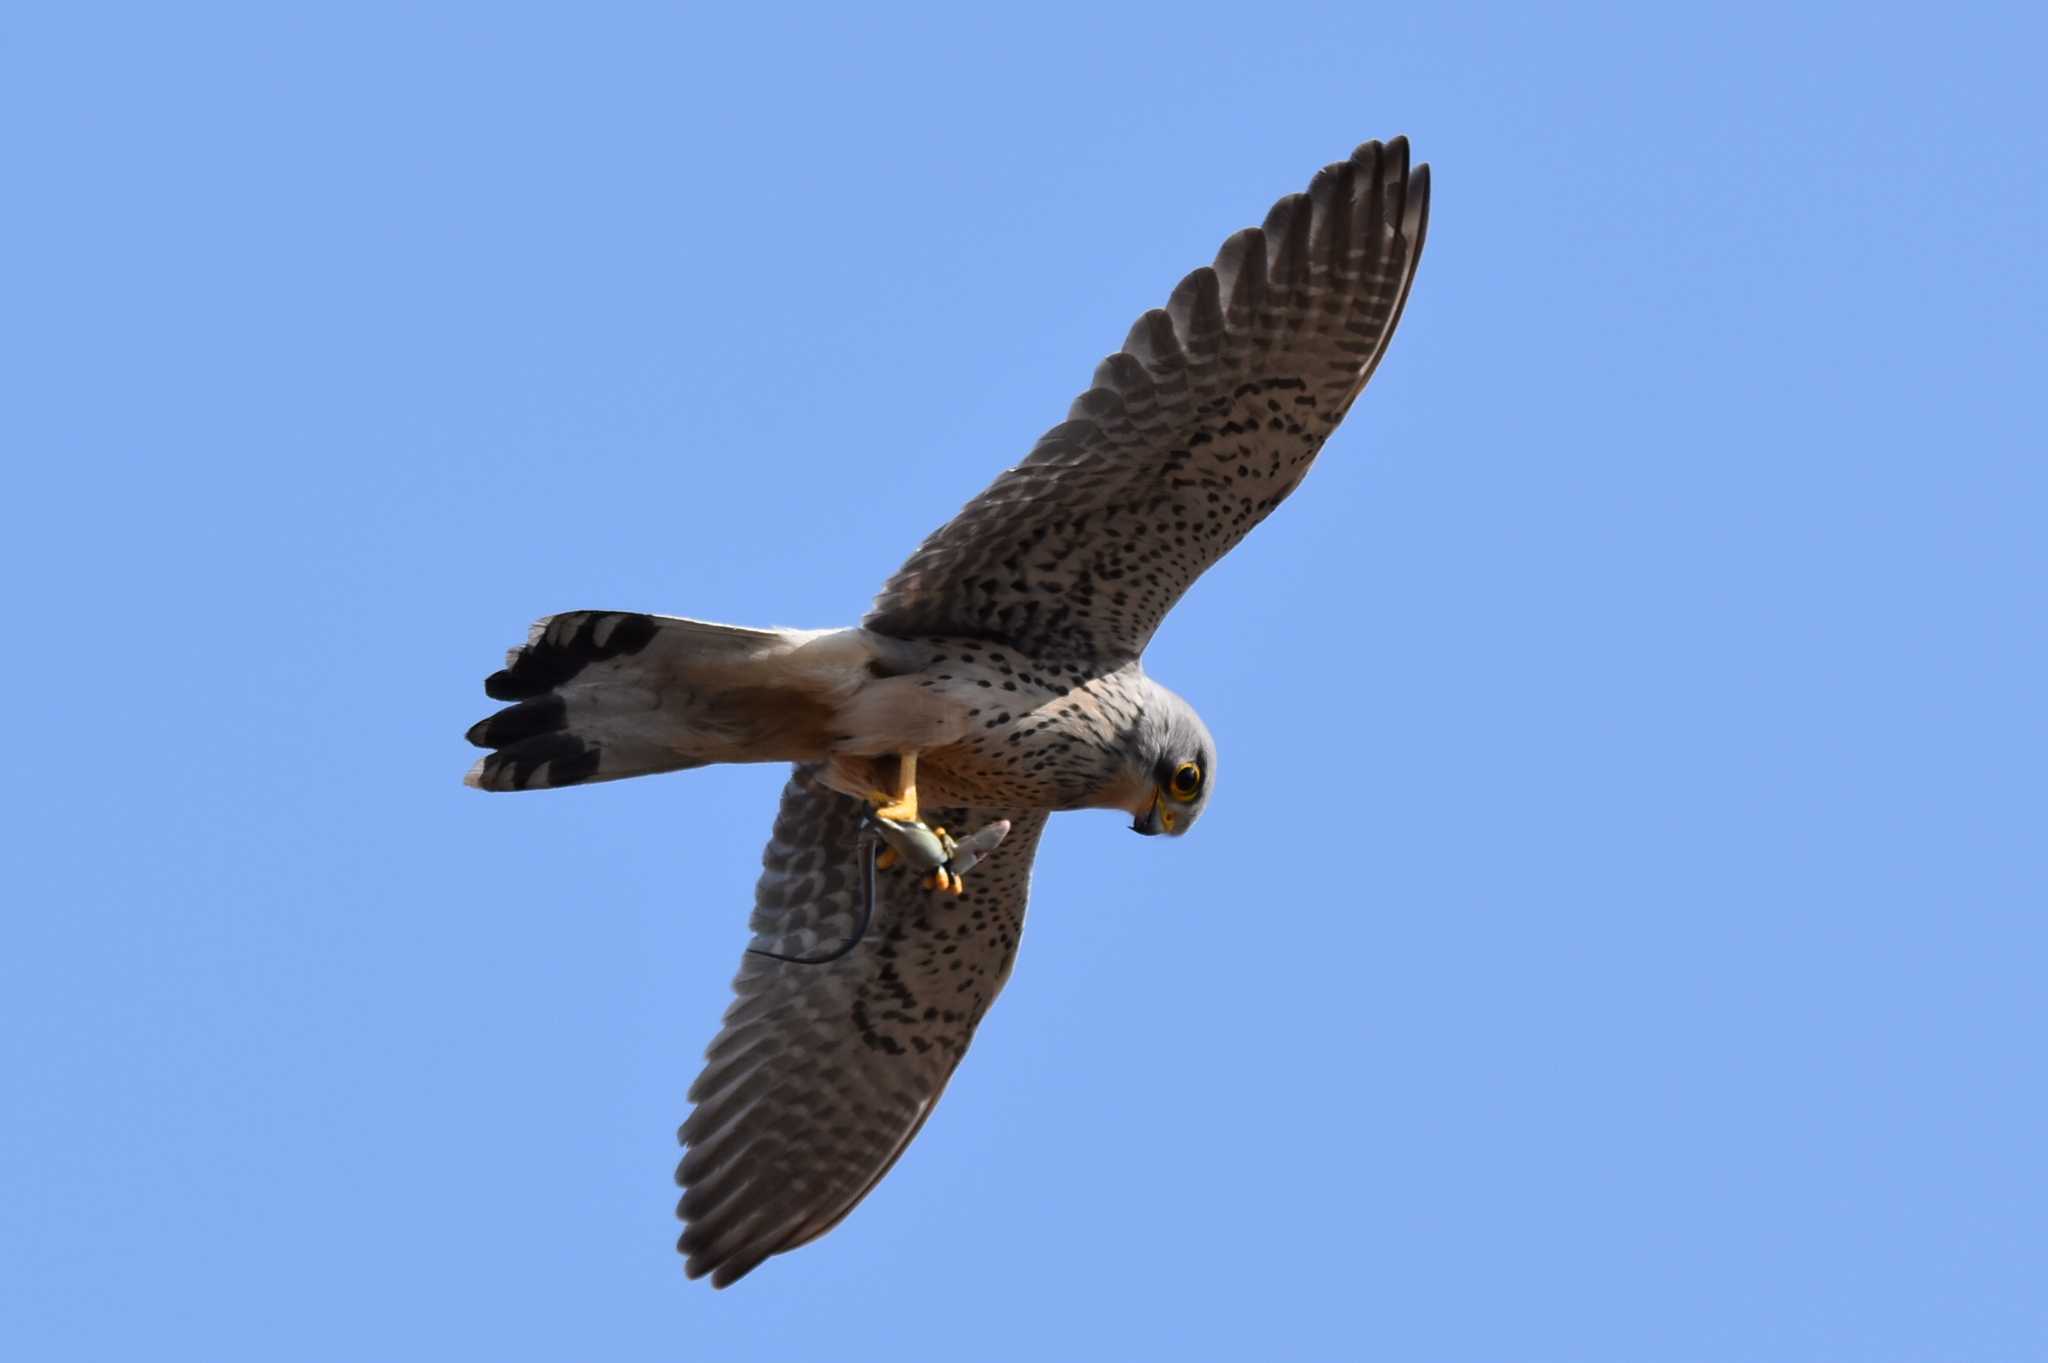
x=1187 y=780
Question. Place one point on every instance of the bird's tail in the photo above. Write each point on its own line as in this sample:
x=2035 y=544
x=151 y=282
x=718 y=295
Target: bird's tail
x=600 y=695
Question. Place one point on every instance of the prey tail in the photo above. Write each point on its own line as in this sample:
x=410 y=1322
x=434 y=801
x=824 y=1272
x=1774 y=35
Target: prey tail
x=600 y=695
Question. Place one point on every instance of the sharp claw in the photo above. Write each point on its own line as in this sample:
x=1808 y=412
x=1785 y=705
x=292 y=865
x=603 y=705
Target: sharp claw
x=941 y=861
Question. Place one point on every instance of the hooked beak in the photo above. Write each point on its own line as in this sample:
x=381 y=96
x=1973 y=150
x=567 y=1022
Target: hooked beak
x=1155 y=820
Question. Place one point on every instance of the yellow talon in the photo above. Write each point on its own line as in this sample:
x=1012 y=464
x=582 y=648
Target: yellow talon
x=901 y=807
x=886 y=858
x=903 y=811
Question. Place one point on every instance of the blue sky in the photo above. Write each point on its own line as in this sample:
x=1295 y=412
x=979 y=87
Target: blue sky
x=1646 y=964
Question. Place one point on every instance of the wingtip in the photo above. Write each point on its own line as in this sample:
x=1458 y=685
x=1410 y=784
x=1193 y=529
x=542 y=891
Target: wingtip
x=1415 y=179
x=723 y=1272
x=1415 y=221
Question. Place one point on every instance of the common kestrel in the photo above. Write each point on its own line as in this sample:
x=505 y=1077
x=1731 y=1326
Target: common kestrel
x=997 y=679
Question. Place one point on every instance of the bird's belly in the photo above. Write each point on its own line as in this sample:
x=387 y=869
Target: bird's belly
x=990 y=732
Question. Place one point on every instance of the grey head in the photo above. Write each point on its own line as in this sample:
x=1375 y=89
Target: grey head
x=1173 y=761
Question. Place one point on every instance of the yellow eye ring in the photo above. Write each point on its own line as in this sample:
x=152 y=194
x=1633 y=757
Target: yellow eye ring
x=1186 y=783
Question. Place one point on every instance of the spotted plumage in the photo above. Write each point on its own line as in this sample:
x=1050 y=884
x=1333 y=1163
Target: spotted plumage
x=1001 y=666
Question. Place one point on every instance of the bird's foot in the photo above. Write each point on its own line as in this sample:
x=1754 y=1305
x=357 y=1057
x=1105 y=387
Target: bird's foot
x=895 y=810
x=945 y=877
x=940 y=860
x=927 y=850
x=899 y=805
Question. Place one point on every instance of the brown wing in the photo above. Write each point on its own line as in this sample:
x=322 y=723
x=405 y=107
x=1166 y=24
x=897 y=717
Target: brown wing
x=1207 y=418
x=823 y=1073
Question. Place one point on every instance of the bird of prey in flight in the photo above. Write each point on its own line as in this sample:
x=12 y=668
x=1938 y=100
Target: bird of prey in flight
x=998 y=678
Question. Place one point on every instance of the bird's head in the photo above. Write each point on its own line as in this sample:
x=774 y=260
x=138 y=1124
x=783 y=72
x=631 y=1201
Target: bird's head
x=1175 y=766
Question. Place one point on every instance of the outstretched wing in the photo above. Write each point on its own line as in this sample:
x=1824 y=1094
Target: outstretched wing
x=1207 y=418
x=823 y=1073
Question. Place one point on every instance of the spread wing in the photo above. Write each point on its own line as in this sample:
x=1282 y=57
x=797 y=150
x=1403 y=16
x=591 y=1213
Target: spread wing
x=1207 y=418
x=823 y=1073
